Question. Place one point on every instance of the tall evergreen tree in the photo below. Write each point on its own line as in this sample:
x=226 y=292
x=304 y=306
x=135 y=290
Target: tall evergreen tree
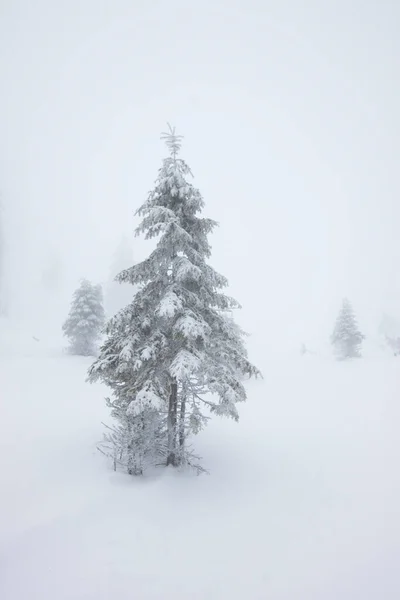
x=174 y=356
x=346 y=337
x=86 y=319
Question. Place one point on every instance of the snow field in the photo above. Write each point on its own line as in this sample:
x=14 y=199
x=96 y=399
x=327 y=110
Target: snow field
x=301 y=501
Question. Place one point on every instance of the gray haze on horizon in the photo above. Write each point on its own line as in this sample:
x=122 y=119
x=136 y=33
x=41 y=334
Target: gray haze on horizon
x=291 y=123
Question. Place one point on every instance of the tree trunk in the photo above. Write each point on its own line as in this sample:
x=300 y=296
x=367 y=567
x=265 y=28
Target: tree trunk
x=182 y=423
x=172 y=419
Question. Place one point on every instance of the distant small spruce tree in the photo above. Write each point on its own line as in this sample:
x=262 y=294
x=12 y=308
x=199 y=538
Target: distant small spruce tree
x=85 y=320
x=346 y=337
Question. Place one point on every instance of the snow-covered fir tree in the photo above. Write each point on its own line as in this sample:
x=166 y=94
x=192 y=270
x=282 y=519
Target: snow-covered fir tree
x=346 y=337
x=174 y=356
x=86 y=319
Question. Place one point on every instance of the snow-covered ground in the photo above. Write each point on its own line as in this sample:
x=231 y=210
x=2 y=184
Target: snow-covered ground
x=302 y=501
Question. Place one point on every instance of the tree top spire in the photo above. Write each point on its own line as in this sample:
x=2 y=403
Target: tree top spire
x=172 y=140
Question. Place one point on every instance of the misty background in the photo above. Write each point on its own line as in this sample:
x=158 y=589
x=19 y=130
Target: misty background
x=291 y=122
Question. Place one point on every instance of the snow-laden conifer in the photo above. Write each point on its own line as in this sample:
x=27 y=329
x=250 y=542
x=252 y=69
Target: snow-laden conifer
x=85 y=320
x=173 y=357
x=346 y=337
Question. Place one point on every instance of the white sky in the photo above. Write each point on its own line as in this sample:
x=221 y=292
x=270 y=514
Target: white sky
x=290 y=115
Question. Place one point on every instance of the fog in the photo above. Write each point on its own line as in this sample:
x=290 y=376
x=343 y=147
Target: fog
x=290 y=115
